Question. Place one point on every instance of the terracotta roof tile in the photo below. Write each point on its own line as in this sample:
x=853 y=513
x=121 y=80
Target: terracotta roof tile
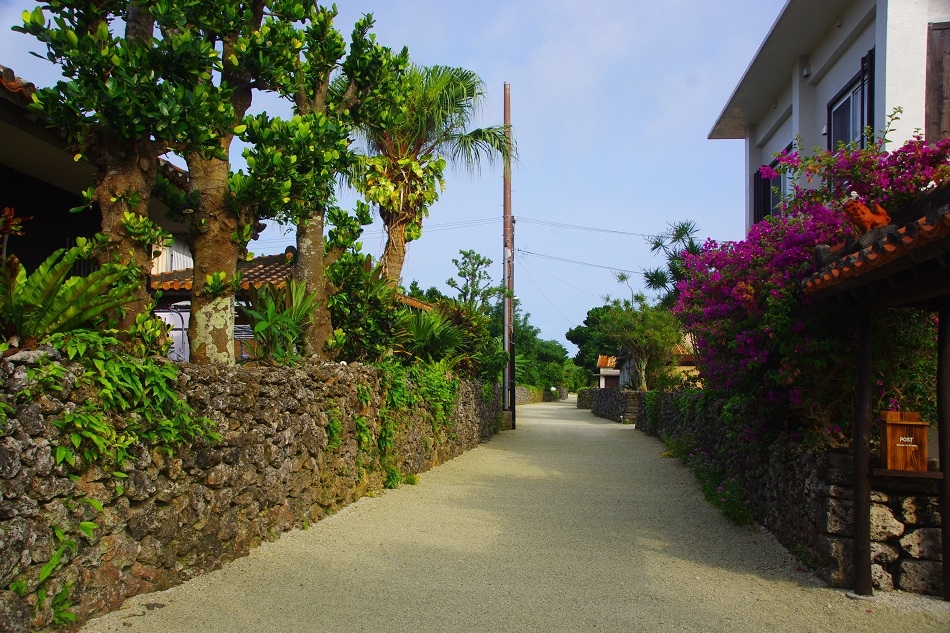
x=20 y=89
x=260 y=270
x=910 y=238
x=275 y=269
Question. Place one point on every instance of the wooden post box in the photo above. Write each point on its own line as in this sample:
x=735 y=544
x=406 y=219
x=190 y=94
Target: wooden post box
x=903 y=441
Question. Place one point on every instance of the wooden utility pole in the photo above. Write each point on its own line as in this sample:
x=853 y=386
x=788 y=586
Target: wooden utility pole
x=509 y=272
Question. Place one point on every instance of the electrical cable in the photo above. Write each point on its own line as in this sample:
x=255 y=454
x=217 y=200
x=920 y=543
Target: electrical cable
x=527 y=261
x=560 y=225
x=573 y=261
x=569 y=321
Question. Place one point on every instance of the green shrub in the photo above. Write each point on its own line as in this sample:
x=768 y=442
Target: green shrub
x=51 y=300
x=137 y=400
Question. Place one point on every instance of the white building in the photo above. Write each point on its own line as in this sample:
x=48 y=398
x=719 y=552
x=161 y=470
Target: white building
x=829 y=68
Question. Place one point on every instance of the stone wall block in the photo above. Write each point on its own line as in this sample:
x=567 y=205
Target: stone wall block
x=140 y=485
x=10 y=460
x=14 y=613
x=921 y=576
x=881 y=579
x=884 y=553
x=46 y=488
x=179 y=516
x=838 y=492
x=837 y=468
x=923 y=543
x=921 y=510
x=880 y=497
x=17 y=541
x=30 y=419
x=838 y=517
x=884 y=525
x=834 y=560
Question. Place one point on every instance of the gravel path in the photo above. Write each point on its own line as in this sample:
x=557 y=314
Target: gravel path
x=570 y=523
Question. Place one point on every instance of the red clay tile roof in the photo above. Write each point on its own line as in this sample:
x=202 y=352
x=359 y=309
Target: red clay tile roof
x=19 y=89
x=606 y=362
x=257 y=272
x=921 y=239
x=275 y=269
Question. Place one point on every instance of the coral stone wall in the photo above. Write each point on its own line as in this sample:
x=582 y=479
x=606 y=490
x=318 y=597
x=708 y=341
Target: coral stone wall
x=619 y=405
x=805 y=497
x=162 y=519
x=585 y=398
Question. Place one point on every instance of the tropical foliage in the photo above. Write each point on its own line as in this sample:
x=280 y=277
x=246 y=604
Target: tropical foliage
x=402 y=173
x=473 y=283
x=362 y=310
x=676 y=242
x=51 y=300
x=279 y=315
x=133 y=398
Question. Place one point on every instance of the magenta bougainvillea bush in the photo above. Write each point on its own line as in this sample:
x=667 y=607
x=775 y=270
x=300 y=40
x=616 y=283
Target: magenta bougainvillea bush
x=780 y=362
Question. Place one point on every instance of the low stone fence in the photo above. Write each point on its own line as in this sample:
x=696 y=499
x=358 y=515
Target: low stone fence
x=528 y=395
x=585 y=398
x=619 y=405
x=805 y=497
x=100 y=536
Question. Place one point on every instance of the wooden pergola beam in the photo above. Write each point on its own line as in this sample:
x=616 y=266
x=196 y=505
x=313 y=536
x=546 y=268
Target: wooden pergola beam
x=943 y=437
x=861 y=443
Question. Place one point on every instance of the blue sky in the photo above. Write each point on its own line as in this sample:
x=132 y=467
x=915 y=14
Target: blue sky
x=611 y=102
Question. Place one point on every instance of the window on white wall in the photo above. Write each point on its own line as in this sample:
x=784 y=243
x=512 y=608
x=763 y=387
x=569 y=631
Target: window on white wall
x=769 y=192
x=852 y=108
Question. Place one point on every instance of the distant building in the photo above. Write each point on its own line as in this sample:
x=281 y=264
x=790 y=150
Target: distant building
x=609 y=374
x=828 y=69
x=39 y=178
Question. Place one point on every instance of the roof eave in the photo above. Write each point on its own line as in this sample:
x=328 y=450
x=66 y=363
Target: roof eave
x=796 y=31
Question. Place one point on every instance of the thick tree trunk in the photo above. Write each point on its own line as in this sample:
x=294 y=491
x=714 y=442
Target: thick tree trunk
x=211 y=329
x=127 y=176
x=311 y=268
x=641 y=365
x=214 y=227
x=394 y=255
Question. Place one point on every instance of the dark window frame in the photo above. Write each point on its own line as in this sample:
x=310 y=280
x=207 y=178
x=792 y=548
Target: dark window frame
x=766 y=201
x=862 y=82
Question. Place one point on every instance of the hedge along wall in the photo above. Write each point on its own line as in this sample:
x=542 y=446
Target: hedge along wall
x=805 y=497
x=174 y=517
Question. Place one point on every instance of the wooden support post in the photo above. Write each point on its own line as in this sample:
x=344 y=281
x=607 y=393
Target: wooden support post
x=861 y=444
x=943 y=437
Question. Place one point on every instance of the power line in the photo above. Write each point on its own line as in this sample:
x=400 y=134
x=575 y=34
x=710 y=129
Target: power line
x=559 y=225
x=572 y=261
x=527 y=261
x=570 y=322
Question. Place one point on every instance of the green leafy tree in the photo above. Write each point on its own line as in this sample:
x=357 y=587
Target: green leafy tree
x=128 y=97
x=403 y=172
x=538 y=362
x=473 y=282
x=253 y=38
x=592 y=340
x=574 y=377
x=294 y=165
x=429 y=295
x=362 y=312
x=647 y=333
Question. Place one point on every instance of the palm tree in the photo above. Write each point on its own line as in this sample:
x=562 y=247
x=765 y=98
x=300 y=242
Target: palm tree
x=402 y=172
